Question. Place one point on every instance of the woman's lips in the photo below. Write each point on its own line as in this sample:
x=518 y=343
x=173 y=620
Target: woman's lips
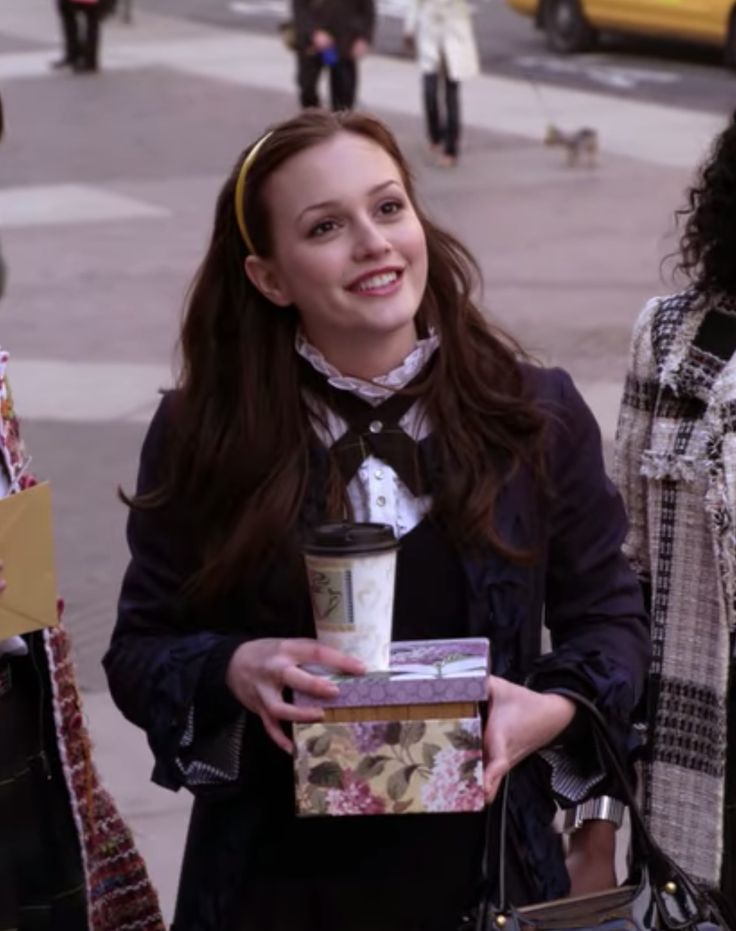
x=378 y=283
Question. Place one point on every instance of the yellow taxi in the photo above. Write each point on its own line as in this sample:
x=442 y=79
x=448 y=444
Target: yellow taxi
x=572 y=25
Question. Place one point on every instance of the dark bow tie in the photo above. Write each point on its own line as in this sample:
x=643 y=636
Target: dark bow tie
x=373 y=429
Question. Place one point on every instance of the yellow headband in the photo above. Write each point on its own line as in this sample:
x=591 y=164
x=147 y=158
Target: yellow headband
x=240 y=190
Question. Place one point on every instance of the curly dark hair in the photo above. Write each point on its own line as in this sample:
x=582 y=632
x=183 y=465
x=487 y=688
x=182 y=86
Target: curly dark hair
x=708 y=242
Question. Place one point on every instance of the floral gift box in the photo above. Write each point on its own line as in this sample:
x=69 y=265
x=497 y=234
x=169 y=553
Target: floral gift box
x=399 y=742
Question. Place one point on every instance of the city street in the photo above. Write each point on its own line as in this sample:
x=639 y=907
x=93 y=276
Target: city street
x=635 y=68
x=107 y=187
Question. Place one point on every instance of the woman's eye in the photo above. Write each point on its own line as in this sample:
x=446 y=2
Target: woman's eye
x=390 y=207
x=322 y=228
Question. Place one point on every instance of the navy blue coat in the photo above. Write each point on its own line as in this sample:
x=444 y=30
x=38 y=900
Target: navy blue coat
x=166 y=664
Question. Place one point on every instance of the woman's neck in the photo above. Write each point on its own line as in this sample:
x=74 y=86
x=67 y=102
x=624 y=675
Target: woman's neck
x=363 y=358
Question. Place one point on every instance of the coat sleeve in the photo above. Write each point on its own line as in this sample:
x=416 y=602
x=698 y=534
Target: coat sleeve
x=305 y=23
x=166 y=671
x=594 y=606
x=633 y=437
x=365 y=20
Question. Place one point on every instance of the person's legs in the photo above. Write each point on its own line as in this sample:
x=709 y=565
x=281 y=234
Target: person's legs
x=431 y=108
x=90 y=47
x=452 y=109
x=68 y=16
x=343 y=84
x=309 y=68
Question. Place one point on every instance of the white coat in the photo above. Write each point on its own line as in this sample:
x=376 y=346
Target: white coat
x=444 y=35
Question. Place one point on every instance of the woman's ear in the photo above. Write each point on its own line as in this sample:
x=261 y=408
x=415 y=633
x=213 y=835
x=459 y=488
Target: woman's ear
x=264 y=277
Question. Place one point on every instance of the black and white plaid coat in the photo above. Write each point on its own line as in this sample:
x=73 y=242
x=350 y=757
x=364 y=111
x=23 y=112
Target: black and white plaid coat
x=676 y=469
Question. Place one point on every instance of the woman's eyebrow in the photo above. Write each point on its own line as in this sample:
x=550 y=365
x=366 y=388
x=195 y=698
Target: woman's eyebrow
x=326 y=204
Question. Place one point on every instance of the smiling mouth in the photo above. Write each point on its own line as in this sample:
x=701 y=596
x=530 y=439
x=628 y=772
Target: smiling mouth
x=378 y=283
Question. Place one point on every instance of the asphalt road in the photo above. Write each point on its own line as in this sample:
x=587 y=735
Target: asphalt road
x=664 y=72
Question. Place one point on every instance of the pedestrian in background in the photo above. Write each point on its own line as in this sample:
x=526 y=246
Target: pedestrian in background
x=332 y=34
x=676 y=468
x=441 y=34
x=80 y=21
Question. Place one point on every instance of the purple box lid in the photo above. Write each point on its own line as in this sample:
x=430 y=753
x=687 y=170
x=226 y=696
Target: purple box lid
x=422 y=672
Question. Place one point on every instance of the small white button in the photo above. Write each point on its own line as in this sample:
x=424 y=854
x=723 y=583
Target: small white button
x=375 y=426
x=378 y=474
x=380 y=501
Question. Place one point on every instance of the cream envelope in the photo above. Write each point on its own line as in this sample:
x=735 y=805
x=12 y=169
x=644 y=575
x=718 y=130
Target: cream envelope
x=27 y=550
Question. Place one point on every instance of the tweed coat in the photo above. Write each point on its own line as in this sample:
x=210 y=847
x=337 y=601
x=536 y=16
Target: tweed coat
x=119 y=894
x=444 y=37
x=676 y=469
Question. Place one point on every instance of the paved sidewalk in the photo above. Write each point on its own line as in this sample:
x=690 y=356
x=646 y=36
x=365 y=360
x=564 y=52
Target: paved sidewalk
x=107 y=186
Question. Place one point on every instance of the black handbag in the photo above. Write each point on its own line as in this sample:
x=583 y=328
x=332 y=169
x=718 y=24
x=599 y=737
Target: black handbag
x=658 y=896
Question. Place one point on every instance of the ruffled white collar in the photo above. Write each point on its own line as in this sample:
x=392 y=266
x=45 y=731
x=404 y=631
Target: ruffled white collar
x=382 y=386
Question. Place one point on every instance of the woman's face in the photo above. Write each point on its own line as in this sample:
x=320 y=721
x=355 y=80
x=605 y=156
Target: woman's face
x=348 y=248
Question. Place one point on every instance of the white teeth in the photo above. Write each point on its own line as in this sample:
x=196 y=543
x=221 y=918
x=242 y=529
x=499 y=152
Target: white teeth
x=378 y=281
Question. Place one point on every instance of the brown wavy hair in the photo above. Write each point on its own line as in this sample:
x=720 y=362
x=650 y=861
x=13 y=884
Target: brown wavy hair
x=241 y=448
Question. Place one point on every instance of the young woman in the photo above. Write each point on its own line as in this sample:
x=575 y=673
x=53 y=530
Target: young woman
x=441 y=33
x=326 y=289
x=676 y=467
x=67 y=860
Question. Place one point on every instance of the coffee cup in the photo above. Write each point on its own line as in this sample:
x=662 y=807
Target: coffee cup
x=351 y=568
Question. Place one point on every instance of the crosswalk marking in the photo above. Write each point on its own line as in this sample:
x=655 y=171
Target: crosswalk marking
x=45 y=205
x=87 y=392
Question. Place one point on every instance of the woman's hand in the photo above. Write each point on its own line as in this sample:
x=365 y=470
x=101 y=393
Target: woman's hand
x=322 y=40
x=260 y=670
x=591 y=858
x=359 y=49
x=520 y=722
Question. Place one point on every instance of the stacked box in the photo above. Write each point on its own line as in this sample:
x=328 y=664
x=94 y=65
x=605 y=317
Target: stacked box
x=404 y=741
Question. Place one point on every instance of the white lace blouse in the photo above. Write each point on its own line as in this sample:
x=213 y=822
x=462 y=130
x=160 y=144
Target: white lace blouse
x=376 y=492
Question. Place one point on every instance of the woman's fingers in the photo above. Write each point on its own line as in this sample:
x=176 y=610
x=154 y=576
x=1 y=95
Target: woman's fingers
x=301 y=681
x=493 y=775
x=520 y=722
x=495 y=750
x=310 y=651
x=495 y=765
x=284 y=711
x=274 y=731
x=261 y=669
x=275 y=710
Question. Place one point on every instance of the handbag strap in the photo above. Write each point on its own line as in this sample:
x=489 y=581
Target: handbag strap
x=679 y=900
x=612 y=758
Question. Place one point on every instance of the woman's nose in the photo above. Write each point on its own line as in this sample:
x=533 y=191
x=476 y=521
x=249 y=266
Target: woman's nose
x=370 y=240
